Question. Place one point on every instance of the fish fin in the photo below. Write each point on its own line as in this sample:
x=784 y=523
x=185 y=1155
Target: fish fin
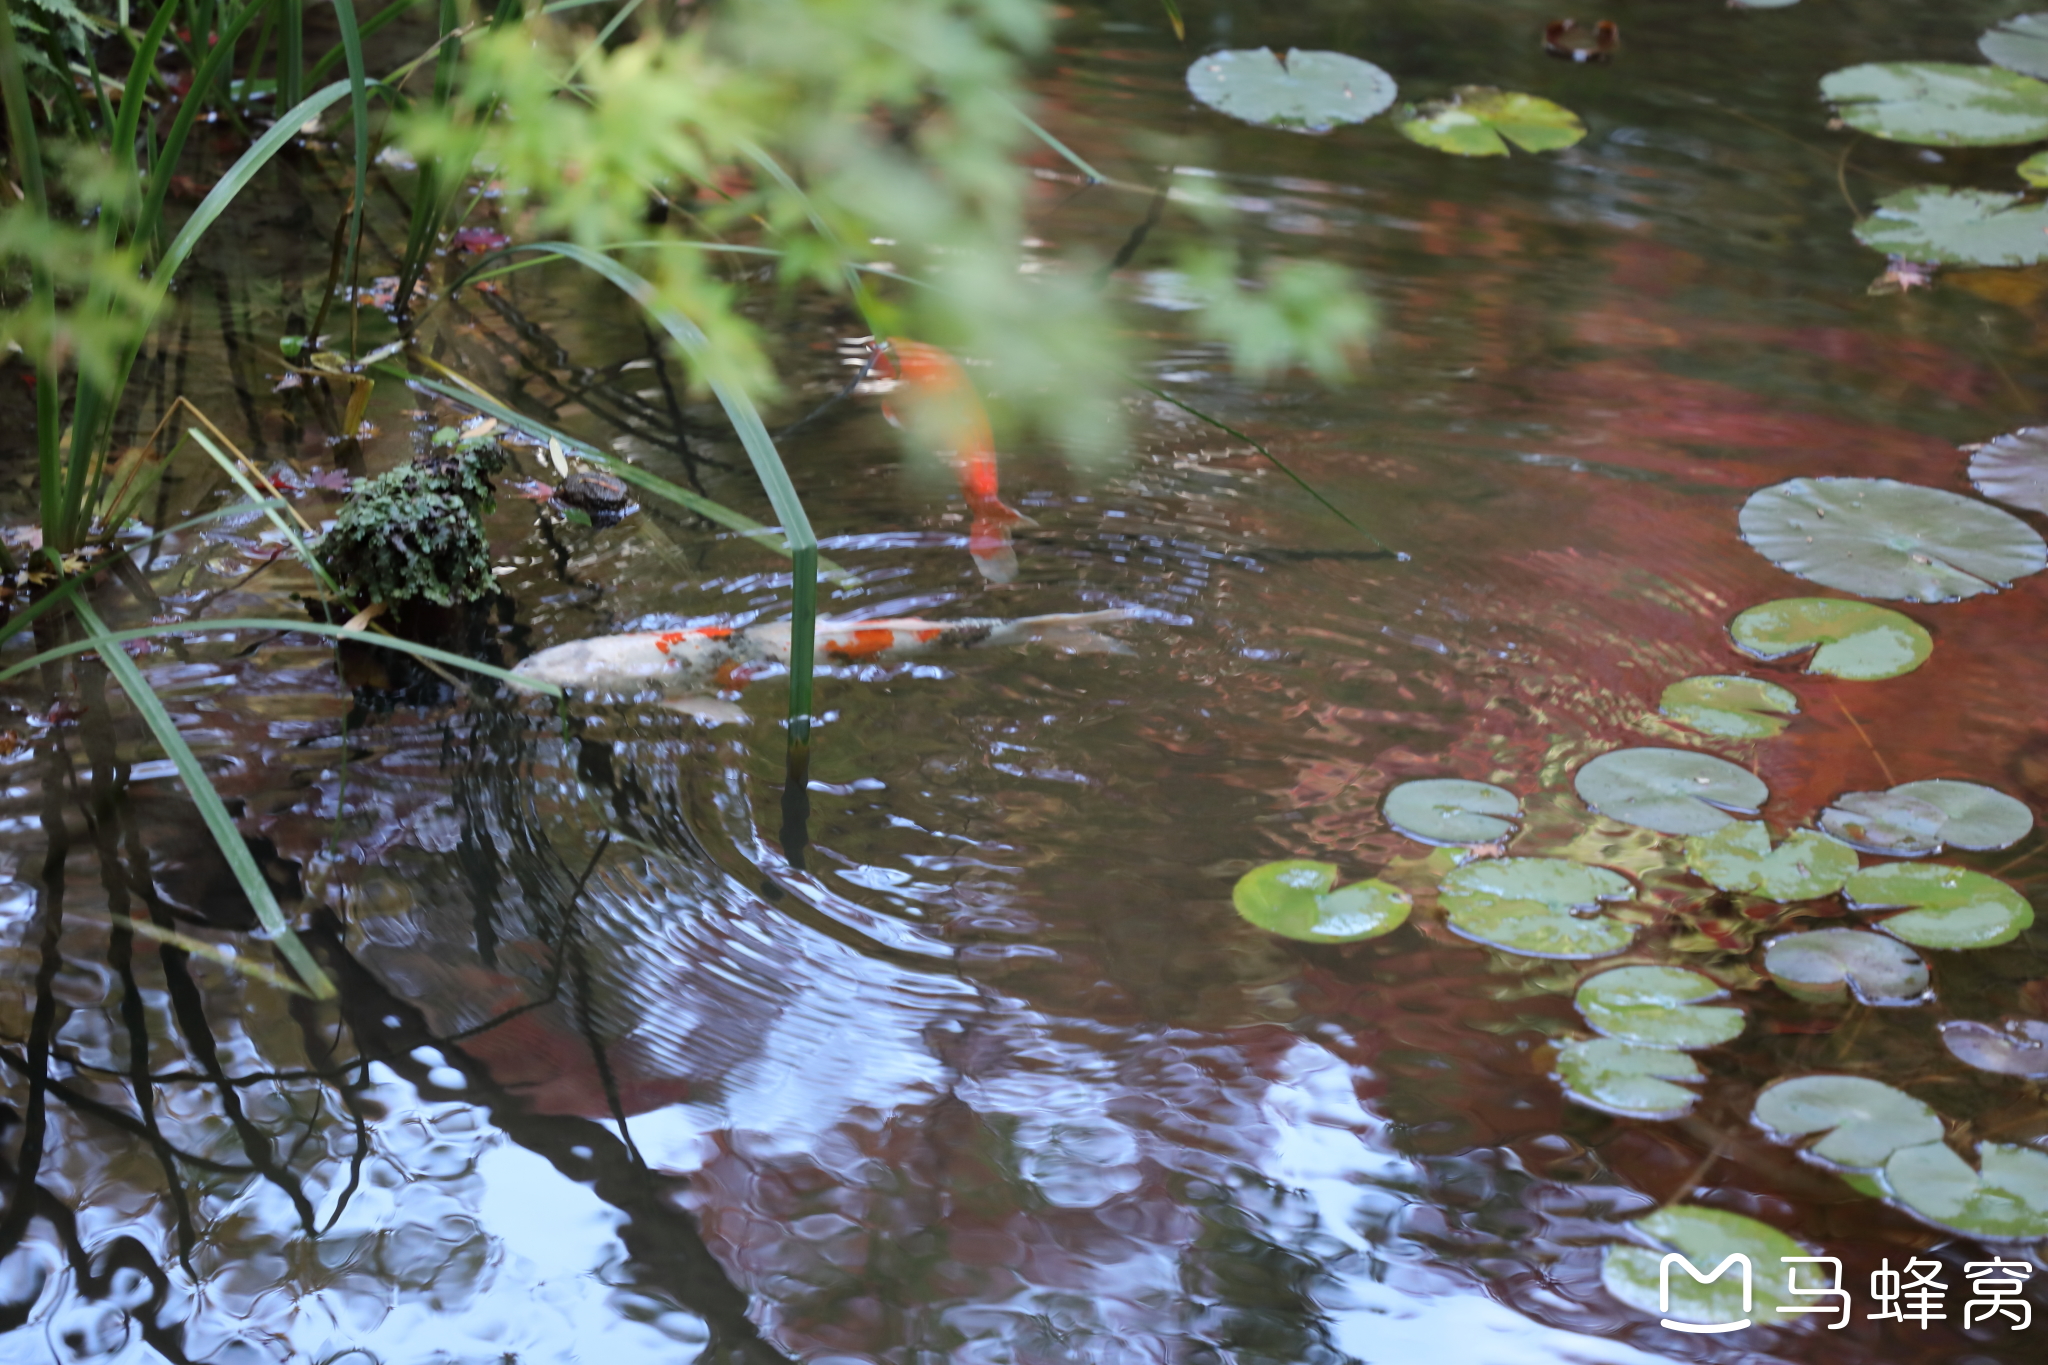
x=1002 y=514
x=1074 y=633
x=713 y=711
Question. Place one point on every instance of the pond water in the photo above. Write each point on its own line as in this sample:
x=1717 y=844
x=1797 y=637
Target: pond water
x=997 y=1073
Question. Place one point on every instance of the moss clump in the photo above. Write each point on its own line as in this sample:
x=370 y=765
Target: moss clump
x=416 y=531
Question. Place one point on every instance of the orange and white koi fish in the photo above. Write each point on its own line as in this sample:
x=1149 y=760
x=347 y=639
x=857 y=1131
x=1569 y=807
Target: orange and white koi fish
x=707 y=659
x=934 y=380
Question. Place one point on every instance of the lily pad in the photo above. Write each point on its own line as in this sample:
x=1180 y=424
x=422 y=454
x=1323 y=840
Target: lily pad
x=1821 y=964
x=1936 y=225
x=1479 y=120
x=1883 y=538
x=1950 y=906
x=1658 y=1007
x=1885 y=822
x=1861 y=1121
x=1729 y=706
x=1851 y=640
x=1296 y=899
x=1942 y=104
x=1538 y=907
x=1628 y=1080
x=2006 y=1202
x=1450 y=812
x=2017 y=1047
x=1312 y=93
x=1739 y=857
x=1672 y=791
x=2034 y=170
x=1705 y=1237
x=2018 y=44
x=2014 y=468
x=1915 y=819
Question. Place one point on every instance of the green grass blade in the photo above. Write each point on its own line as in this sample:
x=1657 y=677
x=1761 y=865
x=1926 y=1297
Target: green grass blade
x=291 y=53
x=603 y=36
x=359 y=111
x=653 y=483
x=1180 y=28
x=375 y=24
x=211 y=808
x=28 y=170
x=760 y=448
x=249 y=490
x=281 y=624
x=1068 y=154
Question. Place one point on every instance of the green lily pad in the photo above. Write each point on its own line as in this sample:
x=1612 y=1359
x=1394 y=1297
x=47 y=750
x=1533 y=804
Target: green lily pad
x=1729 y=706
x=1705 y=1237
x=1882 y=538
x=1672 y=791
x=1296 y=899
x=2016 y=1047
x=2014 y=468
x=1658 y=1007
x=2006 y=1202
x=1942 y=226
x=1739 y=857
x=1851 y=640
x=2034 y=170
x=1312 y=93
x=2018 y=44
x=1451 y=812
x=1915 y=819
x=1941 y=104
x=1821 y=964
x=1538 y=907
x=1861 y=1121
x=1950 y=906
x=1885 y=823
x=1628 y=1080
x=1479 y=120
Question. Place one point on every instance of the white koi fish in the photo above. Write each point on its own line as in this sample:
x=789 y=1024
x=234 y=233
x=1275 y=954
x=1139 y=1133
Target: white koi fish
x=706 y=659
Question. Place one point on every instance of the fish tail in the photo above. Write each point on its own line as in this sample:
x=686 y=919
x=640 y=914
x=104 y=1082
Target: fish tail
x=1071 y=632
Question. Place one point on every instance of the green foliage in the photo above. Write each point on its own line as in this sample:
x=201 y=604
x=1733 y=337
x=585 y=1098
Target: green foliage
x=413 y=532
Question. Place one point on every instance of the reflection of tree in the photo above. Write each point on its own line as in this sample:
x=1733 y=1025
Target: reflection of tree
x=161 y=1061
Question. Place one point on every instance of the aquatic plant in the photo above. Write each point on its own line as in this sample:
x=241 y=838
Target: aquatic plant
x=415 y=532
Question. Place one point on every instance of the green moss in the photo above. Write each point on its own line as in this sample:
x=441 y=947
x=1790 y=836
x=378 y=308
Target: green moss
x=416 y=531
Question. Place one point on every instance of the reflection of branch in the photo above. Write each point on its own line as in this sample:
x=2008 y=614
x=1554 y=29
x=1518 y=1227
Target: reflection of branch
x=662 y=1240
x=108 y=1114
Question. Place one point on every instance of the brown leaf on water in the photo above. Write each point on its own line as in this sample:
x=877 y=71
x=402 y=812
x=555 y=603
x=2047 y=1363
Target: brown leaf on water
x=1567 y=41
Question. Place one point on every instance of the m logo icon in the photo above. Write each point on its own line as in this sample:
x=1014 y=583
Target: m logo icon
x=1664 y=1290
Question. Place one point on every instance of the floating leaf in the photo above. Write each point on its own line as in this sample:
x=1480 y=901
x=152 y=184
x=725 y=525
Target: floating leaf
x=1821 y=963
x=1538 y=907
x=1658 y=1007
x=1312 y=93
x=1933 y=224
x=2014 y=468
x=1672 y=791
x=1705 y=1237
x=1882 y=538
x=1294 y=899
x=1951 y=907
x=2007 y=1202
x=1739 y=857
x=1885 y=822
x=1944 y=104
x=2034 y=170
x=1862 y=1122
x=1479 y=120
x=2017 y=1047
x=2019 y=44
x=1915 y=819
x=1626 y=1079
x=1852 y=640
x=1451 y=812
x=1729 y=706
